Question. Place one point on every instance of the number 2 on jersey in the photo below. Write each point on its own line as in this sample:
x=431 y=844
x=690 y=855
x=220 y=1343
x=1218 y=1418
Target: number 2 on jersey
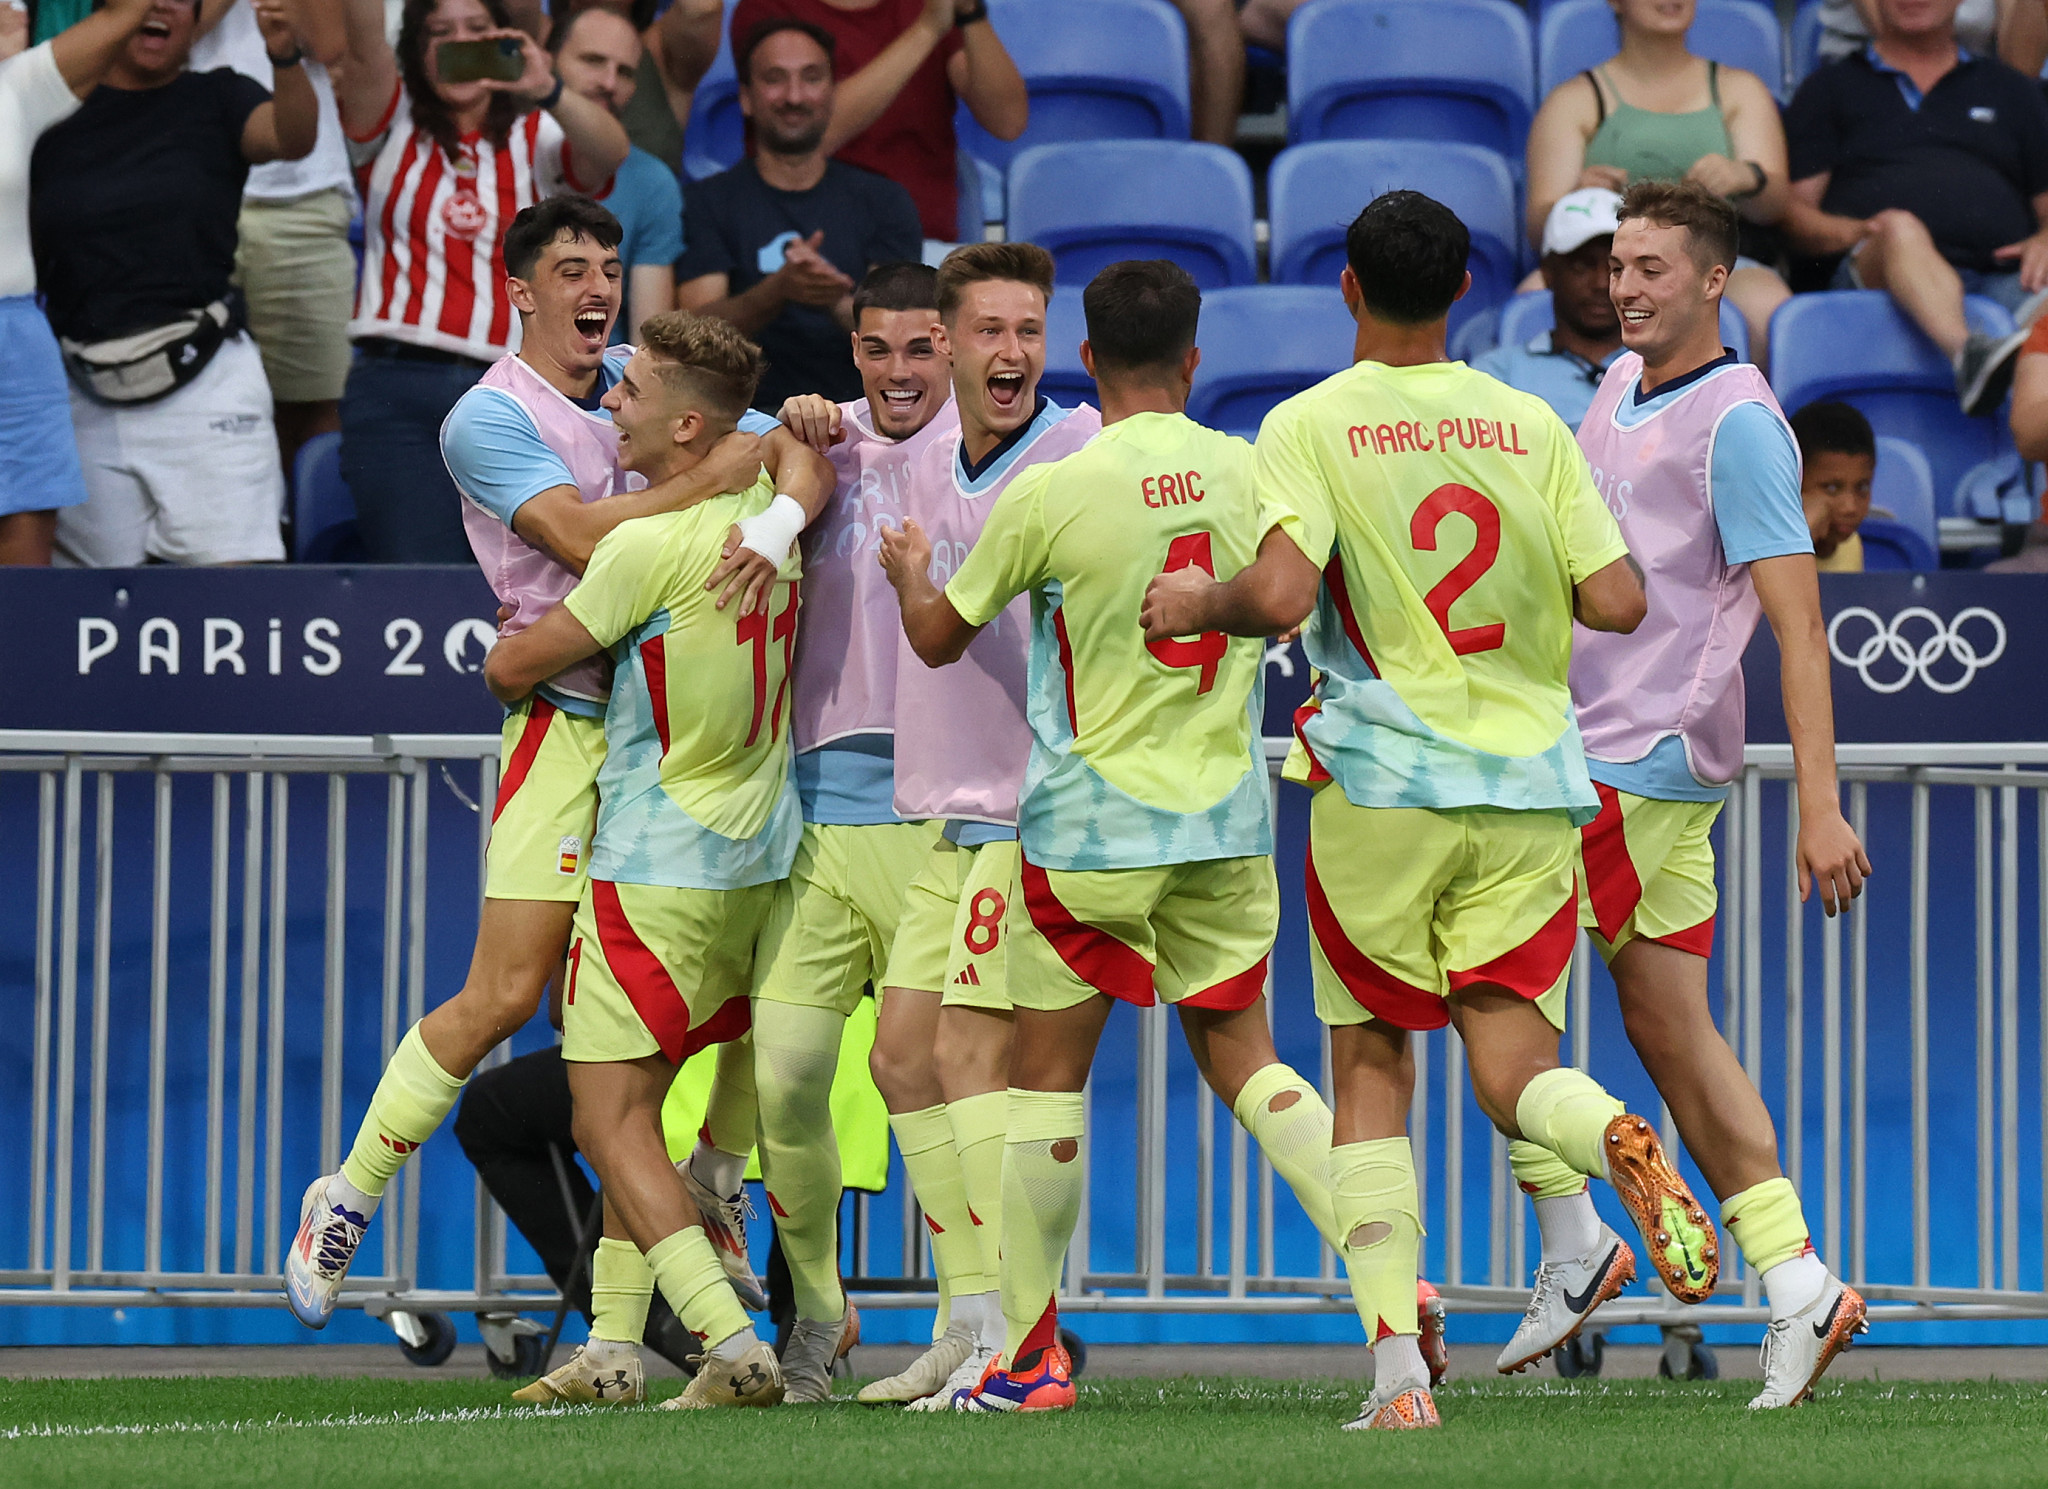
x=1192 y=550
x=1466 y=572
x=753 y=628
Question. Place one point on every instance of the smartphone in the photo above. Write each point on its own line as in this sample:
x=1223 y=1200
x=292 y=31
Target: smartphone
x=499 y=57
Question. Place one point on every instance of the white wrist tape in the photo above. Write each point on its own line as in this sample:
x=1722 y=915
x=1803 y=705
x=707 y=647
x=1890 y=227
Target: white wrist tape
x=771 y=533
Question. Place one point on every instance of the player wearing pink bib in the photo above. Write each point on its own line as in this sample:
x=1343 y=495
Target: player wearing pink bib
x=1695 y=460
x=537 y=460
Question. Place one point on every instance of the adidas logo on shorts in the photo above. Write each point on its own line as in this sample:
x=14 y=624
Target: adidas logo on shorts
x=968 y=978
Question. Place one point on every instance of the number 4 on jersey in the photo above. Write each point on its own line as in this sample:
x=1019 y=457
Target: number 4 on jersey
x=1192 y=550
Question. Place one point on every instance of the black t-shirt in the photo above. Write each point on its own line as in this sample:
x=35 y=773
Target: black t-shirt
x=1968 y=162
x=133 y=200
x=737 y=225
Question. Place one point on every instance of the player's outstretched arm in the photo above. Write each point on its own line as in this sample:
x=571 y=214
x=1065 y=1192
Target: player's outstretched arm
x=1270 y=596
x=754 y=549
x=814 y=419
x=519 y=664
x=1611 y=599
x=936 y=632
x=562 y=523
x=1829 y=851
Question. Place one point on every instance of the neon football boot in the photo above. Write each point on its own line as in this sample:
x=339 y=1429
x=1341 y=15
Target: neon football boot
x=1683 y=1246
x=1043 y=1383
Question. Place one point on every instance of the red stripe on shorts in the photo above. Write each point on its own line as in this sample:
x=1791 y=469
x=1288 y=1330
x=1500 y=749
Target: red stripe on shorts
x=1533 y=968
x=1233 y=994
x=1378 y=991
x=1094 y=956
x=652 y=992
x=1698 y=939
x=654 y=662
x=538 y=718
x=1611 y=881
x=734 y=1018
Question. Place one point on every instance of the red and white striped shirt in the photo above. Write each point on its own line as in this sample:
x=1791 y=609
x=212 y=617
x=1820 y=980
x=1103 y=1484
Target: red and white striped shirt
x=433 y=229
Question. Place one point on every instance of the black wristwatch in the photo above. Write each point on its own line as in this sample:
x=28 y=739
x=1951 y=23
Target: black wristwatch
x=554 y=97
x=962 y=19
x=1762 y=180
x=298 y=55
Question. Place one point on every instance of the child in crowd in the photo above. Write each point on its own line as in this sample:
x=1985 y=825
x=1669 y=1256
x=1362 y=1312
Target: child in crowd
x=1839 y=454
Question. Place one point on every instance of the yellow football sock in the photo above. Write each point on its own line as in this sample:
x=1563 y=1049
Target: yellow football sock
x=1567 y=1111
x=694 y=1282
x=1287 y=1116
x=621 y=1288
x=731 y=1110
x=979 y=1124
x=1541 y=1173
x=412 y=1097
x=1767 y=1223
x=925 y=1139
x=796 y=1053
x=1042 y=1179
x=1379 y=1217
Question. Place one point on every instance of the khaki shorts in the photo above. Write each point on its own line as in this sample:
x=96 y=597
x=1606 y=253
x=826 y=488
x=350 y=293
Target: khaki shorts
x=298 y=274
x=1649 y=872
x=833 y=924
x=953 y=937
x=547 y=804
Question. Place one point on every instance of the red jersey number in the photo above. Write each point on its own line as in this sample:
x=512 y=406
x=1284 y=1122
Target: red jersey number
x=1447 y=591
x=1192 y=550
x=753 y=628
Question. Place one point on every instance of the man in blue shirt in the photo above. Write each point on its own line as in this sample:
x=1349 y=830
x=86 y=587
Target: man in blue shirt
x=1563 y=366
x=596 y=54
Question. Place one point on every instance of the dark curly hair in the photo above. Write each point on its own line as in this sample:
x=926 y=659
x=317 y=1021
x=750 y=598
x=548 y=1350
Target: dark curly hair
x=415 y=64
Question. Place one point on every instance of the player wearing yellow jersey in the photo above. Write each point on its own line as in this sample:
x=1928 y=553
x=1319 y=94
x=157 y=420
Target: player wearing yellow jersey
x=1445 y=531
x=1144 y=822
x=697 y=822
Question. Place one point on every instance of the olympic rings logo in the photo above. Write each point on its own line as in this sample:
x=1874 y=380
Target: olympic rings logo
x=1895 y=646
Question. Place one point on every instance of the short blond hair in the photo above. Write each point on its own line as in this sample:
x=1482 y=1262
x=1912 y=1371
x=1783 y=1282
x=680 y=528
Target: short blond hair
x=704 y=359
x=977 y=263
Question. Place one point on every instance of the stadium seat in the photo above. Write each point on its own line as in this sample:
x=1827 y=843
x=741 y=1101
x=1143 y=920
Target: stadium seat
x=1805 y=53
x=1096 y=70
x=1065 y=381
x=1315 y=190
x=323 y=513
x=1904 y=487
x=1893 y=546
x=1446 y=70
x=715 y=137
x=1578 y=34
x=1093 y=204
x=1263 y=343
x=1856 y=345
x=1528 y=315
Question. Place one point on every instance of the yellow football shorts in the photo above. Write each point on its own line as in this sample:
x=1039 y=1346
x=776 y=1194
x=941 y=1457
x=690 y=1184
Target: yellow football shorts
x=1196 y=934
x=1649 y=871
x=1408 y=906
x=833 y=924
x=547 y=804
x=953 y=936
x=658 y=970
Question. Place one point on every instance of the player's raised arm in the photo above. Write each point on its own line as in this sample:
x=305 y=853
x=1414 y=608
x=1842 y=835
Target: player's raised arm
x=519 y=664
x=937 y=633
x=1267 y=597
x=1611 y=599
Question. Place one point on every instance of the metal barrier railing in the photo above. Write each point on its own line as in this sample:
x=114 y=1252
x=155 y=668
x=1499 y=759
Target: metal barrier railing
x=1202 y=1230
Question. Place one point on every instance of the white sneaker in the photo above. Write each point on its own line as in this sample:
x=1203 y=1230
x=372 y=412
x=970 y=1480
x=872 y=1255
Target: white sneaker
x=965 y=1377
x=725 y=1225
x=926 y=1375
x=612 y=1377
x=1396 y=1408
x=1799 y=1349
x=754 y=1379
x=1566 y=1294
x=320 y=1254
x=812 y=1349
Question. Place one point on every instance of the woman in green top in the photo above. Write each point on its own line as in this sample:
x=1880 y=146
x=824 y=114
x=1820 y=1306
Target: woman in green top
x=1655 y=111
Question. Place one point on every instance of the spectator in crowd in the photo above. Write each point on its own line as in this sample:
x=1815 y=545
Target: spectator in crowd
x=1563 y=366
x=447 y=165
x=1925 y=169
x=2030 y=395
x=38 y=461
x=776 y=244
x=903 y=65
x=133 y=202
x=1837 y=457
x=676 y=49
x=1656 y=112
x=294 y=266
x=597 y=52
x=1215 y=68
x=2014 y=31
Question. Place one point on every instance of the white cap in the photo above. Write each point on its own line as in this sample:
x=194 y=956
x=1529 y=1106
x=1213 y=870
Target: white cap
x=1579 y=217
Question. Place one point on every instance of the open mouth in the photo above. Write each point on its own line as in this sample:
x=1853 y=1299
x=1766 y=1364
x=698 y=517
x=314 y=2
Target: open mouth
x=1006 y=390
x=156 y=30
x=590 y=324
x=902 y=400
x=1635 y=318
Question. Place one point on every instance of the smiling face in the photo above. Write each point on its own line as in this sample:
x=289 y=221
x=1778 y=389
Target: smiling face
x=1663 y=297
x=157 y=52
x=569 y=301
x=457 y=20
x=902 y=370
x=598 y=58
x=996 y=336
x=788 y=93
x=1656 y=17
x=654 y=421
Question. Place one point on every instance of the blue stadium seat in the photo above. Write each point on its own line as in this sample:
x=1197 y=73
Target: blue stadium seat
x=1096 y=70
x=1447 y=70
x=1315 y=190
x=1065 y=381
x=1527 y=315
x=1264 y=343
x=323 y=513
x=1092 y=204
x=1904 y=487
x=1540 y=8
x=1857 y=346
x=1805 y=54
x=1889 y=547
x=1578 y=34
x=715 y=138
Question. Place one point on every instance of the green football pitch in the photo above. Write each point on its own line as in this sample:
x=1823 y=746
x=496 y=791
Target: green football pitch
x=1227 y=1432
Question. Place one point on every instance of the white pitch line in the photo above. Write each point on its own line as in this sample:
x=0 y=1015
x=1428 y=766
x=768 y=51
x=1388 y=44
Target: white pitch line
x=269 y=1424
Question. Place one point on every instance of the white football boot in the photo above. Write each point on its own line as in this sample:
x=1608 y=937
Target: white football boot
x=320 y=1254
x=601 y=1373
x=1566 y=1294
x=965 y=1377
x=810 y=1352
x=926 y=1375
x=1799 y=1349
x=725 y=1225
